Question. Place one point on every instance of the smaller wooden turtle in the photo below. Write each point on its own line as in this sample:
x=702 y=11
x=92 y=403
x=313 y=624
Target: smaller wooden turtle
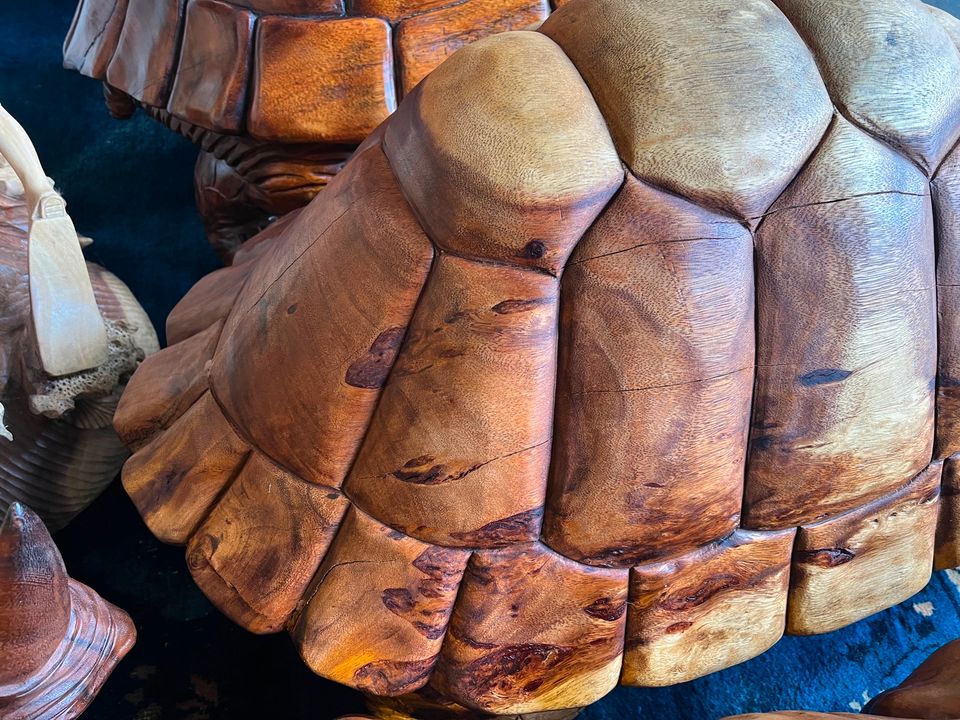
x=275 y=92
x=59 y=640
x=58 y=450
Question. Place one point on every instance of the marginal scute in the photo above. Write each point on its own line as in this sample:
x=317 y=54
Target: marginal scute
x=846 y=335
x=726 y=120
x=376 y=613
x=856 y=564
x=653 y=388
x=441 y=461
x=515 y=169
x=704 y=611
x=93 y=36
x=890 y=67
x=533 y=631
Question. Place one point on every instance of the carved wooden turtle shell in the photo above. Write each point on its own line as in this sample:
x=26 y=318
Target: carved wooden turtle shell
x=58 y=449
x=609 y=357
x=321 y=71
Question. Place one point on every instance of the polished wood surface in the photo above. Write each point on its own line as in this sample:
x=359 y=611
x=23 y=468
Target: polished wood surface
x=59 y=640
x=617 y=353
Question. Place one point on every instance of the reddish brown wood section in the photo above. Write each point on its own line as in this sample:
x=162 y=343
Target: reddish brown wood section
x=864 y=561
x=846 y=344
x=654 y=382
x=945 y=189
x=211 y=80
x=948 y=528
x=344 y=66
x=147 y=49
x=354 y=305
x=93 y=36
x=715 y=607
x=378 y=609
x=931 y=691
x=427 y=39
x=533 y=631
x=256 y=553
x=175 y=480
x=441 y=462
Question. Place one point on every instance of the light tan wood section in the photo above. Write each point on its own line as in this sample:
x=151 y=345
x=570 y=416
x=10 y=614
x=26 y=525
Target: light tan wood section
x=890 y=67
x=705 y=611
x=93 y=36
x=166 y=385
x=344 y=66
x=258 y=550
x=352 y=306
x=146 y=53
x=427 y=39
x=736 y=66
x=175 y=480
x=211 y=81
x=458 y=451
x=866 y=560
x=847 y=332
x=948 y=528
x=945 y=189
x=376 y=614
x=519 y=166
x=654 y=381
x=532 y=632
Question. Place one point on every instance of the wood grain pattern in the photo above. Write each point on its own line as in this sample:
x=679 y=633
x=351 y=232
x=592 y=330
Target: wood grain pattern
x=843 y=411
x=146 y=54
x=258 y=550
x=947 y=553
x=945 y=192
x=518 y=98
x=376 y=614
x=533 y=631
x=344 y=66
x=759 y=104
x=705 y=611
x=355 y=305
x=211 y=80
x=890 y=68
x=427 y=39
x=93 y=36
x=931 y=691
x=59 y=640
x=441 y=462
x=654 y=388
x=864 y=561
x=175 y=480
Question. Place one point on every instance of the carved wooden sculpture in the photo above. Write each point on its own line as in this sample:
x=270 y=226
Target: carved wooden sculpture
x=59 y=640
x=275 y=92
x=58 y=450
x=610 y=355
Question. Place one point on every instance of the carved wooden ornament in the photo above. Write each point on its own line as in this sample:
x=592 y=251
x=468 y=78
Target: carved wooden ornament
x=59 y=640
x=609 y=357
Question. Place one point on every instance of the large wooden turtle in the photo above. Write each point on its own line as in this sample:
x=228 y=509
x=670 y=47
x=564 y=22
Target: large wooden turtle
x=275 y=92
x=620 y=348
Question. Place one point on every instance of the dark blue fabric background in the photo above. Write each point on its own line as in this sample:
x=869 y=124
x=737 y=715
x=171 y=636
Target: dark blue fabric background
x=129 y=187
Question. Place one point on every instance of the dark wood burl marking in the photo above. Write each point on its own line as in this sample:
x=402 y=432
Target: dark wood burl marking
x=376 y=612
x=458 y=450
x=533 y=631
x=371 y=370
x=853 y=565
x=847 y=335
x=704 y=611
x=654 y=382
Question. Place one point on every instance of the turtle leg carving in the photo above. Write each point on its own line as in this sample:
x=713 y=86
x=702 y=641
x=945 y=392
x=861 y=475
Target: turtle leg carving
x=240 y=193
x=120 y=105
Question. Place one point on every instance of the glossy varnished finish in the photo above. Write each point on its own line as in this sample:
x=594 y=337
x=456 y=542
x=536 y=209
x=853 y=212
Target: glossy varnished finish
x=59 y=640
x=619 y=360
